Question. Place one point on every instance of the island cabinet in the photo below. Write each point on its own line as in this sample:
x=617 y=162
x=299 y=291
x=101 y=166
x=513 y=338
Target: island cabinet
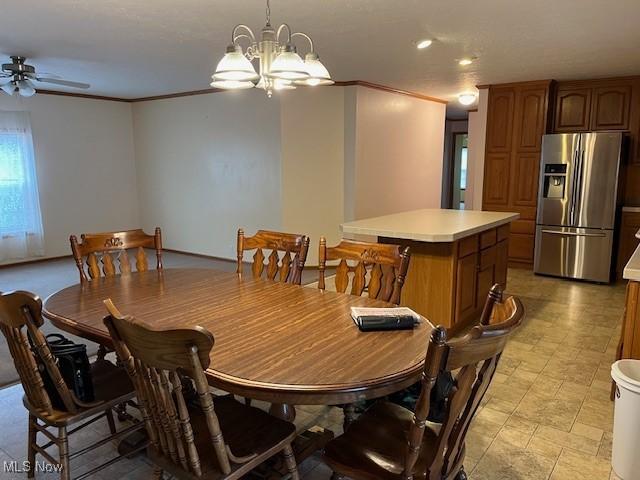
x=629 y=346
x=516 y=121
x=456 y=256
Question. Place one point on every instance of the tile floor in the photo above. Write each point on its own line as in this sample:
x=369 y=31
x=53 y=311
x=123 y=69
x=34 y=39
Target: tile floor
x=547 y=414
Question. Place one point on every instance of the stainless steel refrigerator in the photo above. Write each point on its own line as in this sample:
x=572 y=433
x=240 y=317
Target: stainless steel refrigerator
x=577 y=203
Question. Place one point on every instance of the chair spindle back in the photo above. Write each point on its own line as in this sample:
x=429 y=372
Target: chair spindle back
x=158 y=361
x=20 y=322
x=285 y=268
x=475 y=356
x=378 y=268
x=99 y=247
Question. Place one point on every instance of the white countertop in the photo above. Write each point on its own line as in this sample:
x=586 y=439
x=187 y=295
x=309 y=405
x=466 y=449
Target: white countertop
x=627 y=208
x=430 y=225
x=632 y=268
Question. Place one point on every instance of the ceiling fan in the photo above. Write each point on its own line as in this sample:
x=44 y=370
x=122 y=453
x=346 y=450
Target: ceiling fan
x=18 y=77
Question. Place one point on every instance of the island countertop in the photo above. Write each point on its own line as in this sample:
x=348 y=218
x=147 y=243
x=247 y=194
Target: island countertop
x=430 y=225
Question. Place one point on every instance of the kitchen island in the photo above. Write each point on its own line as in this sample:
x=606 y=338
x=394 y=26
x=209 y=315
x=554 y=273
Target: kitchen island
x=456 y=256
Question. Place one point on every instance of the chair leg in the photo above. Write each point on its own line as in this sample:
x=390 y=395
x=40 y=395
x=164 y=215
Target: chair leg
x=462 y=475
x=63 y=447
x=31 y=451
x=157 y=474
x=349 y=412
x=111 y=422
x=102 y=352
x=290 y=461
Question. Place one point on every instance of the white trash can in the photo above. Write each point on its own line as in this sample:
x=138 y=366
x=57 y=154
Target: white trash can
x=626 y=419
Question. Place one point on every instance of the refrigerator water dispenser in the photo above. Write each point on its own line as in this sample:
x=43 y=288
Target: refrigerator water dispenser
x=555 y=179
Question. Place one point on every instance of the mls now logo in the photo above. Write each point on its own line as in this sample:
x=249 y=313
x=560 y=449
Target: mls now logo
x=23 y=467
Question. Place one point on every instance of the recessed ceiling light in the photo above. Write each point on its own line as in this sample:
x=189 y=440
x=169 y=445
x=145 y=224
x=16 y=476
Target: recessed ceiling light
x=422 y=44
x=466 y=61
x=467 y=98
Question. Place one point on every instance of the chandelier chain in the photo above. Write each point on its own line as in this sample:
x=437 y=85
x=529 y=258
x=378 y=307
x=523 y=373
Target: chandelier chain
x=268 y=12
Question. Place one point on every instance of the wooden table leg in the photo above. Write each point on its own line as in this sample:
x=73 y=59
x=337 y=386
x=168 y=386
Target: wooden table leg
x=283 y=411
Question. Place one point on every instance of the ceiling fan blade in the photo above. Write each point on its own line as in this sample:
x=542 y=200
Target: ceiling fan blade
x=65 y=83
x=5 y=80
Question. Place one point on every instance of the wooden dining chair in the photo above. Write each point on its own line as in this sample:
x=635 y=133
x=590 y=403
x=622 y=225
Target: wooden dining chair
x=20 y=322
x=96 y=249
x=389 y=442
x=214 y=438
x=377 y=268
x=284 y=268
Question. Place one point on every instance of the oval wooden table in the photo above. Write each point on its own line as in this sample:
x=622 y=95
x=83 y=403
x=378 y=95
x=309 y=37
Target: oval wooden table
x=276 y=342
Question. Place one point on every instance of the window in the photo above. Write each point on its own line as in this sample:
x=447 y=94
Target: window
x=20 y=221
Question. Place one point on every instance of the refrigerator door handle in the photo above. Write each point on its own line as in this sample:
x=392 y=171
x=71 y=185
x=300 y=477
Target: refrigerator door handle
x=574 y=183
x=578 y=199
x=573 y=234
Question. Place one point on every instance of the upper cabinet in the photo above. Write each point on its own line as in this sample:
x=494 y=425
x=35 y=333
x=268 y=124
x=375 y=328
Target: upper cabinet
x=500 y=119
x=573 y=109
x=592 y=105
x=611 y=105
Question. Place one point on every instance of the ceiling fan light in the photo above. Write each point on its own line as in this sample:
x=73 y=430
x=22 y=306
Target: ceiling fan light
x=288 y=66
x=235 y=66
x=26 y=88
x=232 y=84
x=8 y=88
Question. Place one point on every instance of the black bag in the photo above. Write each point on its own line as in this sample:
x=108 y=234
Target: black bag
x=74 y=366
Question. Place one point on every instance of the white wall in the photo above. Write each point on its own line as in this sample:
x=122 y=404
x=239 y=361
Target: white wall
x=476 y=145
x=312 y=139
x=85 y=165
x=398 y=153
x=208 y=164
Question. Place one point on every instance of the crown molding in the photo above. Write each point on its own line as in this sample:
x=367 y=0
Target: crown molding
x=384 y=88
x=359 y=83
x=40 y=91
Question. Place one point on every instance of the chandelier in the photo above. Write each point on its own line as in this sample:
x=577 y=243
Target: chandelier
x=281 y=68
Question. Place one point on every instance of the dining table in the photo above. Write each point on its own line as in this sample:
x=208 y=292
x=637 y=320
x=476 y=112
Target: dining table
x=284 y=344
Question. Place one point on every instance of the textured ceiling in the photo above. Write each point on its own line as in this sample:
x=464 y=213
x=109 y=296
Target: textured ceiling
x=136 y=48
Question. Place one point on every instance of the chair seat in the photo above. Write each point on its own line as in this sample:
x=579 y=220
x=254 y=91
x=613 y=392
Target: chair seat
x=111 y=386
x=374 y=445
x=246 y=430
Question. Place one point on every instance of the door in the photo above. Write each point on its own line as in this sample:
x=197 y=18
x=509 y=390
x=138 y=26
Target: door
x=557 y=185
x=581 y=253
x=597 y=180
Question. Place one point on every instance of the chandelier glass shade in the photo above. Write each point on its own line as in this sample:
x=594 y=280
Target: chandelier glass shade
x=280 y=65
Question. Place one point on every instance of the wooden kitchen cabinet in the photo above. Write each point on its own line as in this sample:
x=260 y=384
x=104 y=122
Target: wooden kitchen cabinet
x=611 y=105
x=466 y=287
x=512 y=166
x=572 y=109
x=593 y=105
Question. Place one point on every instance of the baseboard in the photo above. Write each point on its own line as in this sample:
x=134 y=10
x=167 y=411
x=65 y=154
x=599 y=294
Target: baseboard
x=33 y=260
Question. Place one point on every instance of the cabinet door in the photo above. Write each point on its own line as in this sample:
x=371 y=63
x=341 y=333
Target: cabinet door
x=573 y=110
x=530 y=119
x=611 y=107
x=486 y=274
x=466 y=273
x=502 y=258
x=524 y=179
x=496 y=179
x=500 y=119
